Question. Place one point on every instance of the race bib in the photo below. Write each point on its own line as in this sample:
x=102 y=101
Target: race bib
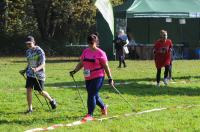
x=86 y=72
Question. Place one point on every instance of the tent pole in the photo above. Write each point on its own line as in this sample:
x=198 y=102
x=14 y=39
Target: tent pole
x=199 y=31
x=148 y=30
x=181 y=33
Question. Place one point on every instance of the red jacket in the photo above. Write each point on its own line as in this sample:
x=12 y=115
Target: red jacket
x=162 y=52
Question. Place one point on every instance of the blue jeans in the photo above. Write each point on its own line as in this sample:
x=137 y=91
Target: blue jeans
x=93 y=86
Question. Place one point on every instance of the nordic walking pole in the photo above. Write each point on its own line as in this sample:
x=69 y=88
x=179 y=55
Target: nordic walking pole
x=33 y=90
x=122 y=96
x=41 y=89
x=79 y=92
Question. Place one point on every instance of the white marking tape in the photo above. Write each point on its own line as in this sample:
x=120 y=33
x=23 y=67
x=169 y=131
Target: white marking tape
x=76 y=123
x=146 y=111
x=183 y=82
x=105 y=118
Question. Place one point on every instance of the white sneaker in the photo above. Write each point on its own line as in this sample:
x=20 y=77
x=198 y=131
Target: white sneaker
x=165 y=81
x=170 y=79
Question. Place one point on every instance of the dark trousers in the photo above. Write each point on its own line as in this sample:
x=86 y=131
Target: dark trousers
x=170 y=71
x=93 y=86
x=159 y=73
x=121 y=57
x=122 y=60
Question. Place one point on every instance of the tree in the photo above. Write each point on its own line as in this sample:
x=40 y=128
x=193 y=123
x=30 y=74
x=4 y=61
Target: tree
x=53 y=22
x=15 y=19
x=3 y=15
x=41 y=10
x=70 y=19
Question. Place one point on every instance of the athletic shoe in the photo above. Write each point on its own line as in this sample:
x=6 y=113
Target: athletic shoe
x=28 y=112
x=165 y=81
x=88 y=117
x=53 y=104
x=104 y=111
x=170 y=79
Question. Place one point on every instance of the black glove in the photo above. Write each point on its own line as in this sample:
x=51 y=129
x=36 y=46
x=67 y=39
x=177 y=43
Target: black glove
x=72 y=73
x=110 y=80
x=22 y=72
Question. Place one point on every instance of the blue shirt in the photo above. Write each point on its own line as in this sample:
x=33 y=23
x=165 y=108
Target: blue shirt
x=123 y=37
x=35 y=58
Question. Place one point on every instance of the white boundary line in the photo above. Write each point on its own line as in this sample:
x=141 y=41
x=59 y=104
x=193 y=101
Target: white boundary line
x=146 y=111
x=76 y=123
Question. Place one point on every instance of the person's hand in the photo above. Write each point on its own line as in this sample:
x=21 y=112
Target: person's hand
x=111 y=82
x=22 y=72
x=154 y=51
x=34 y=69
x=71 y=73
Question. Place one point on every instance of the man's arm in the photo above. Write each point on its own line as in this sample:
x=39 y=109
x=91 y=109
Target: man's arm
x=39 y=67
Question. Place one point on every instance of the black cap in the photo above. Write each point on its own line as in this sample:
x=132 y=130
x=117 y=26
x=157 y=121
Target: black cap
x=30 y=39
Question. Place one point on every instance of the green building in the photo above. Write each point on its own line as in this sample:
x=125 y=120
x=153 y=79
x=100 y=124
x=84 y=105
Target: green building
x=143 y=19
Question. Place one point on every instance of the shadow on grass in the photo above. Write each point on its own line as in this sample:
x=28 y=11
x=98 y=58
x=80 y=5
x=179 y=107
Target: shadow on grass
x=29 y=121
x=187 y=77
x=139 y=87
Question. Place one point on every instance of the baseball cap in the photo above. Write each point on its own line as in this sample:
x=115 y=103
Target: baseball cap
x=30 y=39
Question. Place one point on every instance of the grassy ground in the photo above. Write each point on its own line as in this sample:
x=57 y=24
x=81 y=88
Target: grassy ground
x=142 y=93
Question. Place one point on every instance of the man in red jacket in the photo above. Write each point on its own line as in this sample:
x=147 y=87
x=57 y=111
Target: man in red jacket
x=162 y=55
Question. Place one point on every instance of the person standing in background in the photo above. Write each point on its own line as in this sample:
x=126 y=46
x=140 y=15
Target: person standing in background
x=162 y=56
x=121 y=41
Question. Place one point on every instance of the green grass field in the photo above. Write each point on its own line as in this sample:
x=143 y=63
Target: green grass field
x=141 y=93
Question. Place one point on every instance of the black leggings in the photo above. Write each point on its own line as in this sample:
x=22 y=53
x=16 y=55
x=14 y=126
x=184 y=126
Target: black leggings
x=159 y=73
x=170 y=70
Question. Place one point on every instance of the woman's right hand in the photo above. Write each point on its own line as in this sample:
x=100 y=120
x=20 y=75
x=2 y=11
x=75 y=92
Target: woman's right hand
x=111 y=82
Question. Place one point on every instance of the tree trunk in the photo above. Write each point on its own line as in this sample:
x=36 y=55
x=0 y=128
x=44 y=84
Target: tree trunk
x=42 y=11
x=3 y=15
x=53 y=23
